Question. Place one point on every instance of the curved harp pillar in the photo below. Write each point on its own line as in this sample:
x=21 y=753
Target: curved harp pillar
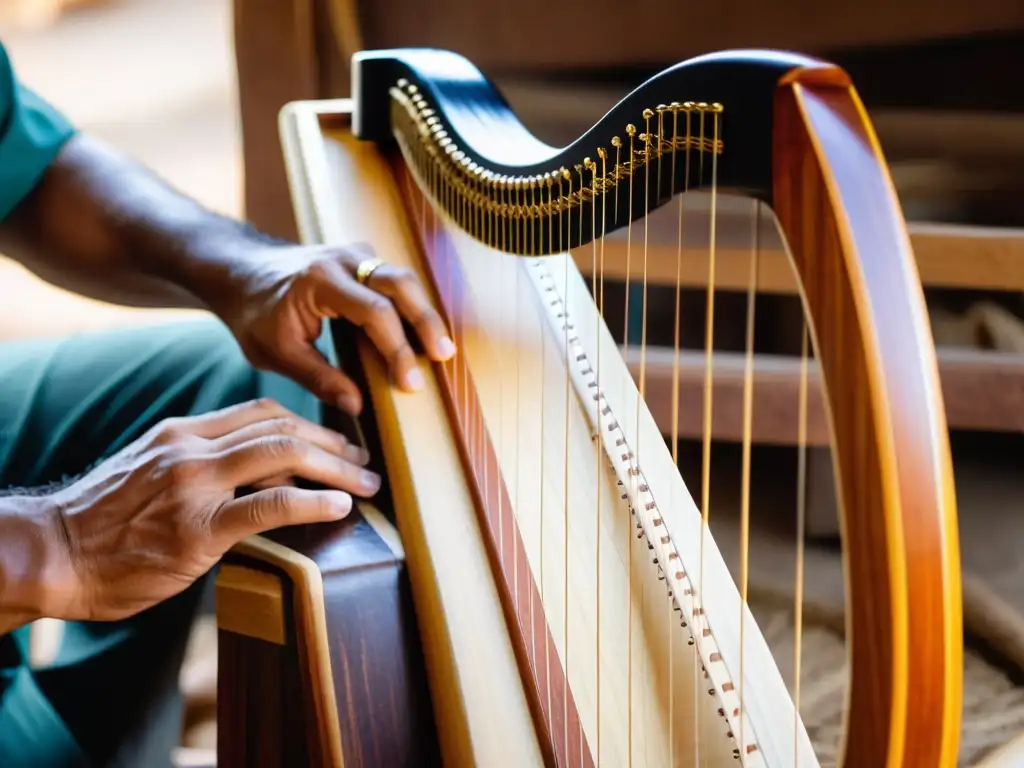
x=575 y=603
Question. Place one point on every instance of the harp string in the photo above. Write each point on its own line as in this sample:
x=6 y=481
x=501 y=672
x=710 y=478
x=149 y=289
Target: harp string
x=630 y=132
x=501 y=407
x=705 y=505
x=565 y=554
x=801 y=518
x=642 y=383
x=677 y=329
x=543 y=422
x=597 y=286
x=748 y=417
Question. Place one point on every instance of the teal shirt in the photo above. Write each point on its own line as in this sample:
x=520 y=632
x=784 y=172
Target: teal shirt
x=32 y=132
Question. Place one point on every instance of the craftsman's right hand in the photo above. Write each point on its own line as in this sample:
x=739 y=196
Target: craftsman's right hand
x=147 y=522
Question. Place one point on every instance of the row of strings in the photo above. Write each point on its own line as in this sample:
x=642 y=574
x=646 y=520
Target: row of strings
x=588 y=186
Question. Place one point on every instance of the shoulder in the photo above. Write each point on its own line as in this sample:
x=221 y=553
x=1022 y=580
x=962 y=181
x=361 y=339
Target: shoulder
x=32 y=133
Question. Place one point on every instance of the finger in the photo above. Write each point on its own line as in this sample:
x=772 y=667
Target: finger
x=263 y=458
x=220 y=422
x=278 y=507
x=273 y=482
x=309 y=368
x=291 y=425
x=407 y=294
x=375 y=314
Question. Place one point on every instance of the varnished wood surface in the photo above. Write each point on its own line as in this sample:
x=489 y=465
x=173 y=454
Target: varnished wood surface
x=895 y=477
x=264 y=719
x=983 y=390
x=273 y=706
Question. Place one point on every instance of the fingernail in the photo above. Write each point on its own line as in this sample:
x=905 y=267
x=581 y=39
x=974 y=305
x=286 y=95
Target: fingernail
x=370 y=481
x=342 y=505
x=414 y=379
x=446 y=347
x=349 y=403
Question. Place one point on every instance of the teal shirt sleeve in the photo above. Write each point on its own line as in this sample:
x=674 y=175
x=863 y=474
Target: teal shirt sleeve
x=32 y=132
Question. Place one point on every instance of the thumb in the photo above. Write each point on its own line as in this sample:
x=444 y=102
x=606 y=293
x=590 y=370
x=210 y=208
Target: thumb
x=279 y=507
x=308 y=367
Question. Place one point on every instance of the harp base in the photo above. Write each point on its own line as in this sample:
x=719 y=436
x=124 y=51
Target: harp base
x=319 y=660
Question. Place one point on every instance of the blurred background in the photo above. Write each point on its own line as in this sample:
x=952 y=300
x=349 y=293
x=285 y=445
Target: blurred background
x=155 y=78
x=192 y=88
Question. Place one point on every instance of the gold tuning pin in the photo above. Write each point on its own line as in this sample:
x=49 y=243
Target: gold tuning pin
x=602 y=153
x=565 y=174
x=648 y=114
x=631 y=130
x=616 y=141
x=716 y=107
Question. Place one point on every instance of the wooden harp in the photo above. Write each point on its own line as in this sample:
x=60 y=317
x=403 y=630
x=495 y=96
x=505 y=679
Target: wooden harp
x=539 y=585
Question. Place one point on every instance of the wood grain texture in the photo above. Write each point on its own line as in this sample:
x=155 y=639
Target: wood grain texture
x=257 y=682
x=272 y=709
x=849 y=245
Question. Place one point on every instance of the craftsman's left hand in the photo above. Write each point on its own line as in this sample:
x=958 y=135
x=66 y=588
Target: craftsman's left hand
x=286 y=293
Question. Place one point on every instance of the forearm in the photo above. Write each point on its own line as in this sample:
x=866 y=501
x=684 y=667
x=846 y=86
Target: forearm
x=101 y=225
x=34 y=567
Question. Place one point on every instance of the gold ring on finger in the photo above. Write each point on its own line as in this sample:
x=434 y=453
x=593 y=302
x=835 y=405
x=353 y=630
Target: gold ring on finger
x=366 y=269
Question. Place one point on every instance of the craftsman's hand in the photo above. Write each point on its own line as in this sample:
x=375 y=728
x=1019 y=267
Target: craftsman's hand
x=287 y=291
x=149 y=521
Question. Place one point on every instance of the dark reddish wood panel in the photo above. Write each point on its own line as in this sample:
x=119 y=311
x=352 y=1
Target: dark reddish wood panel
x=266 y=693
